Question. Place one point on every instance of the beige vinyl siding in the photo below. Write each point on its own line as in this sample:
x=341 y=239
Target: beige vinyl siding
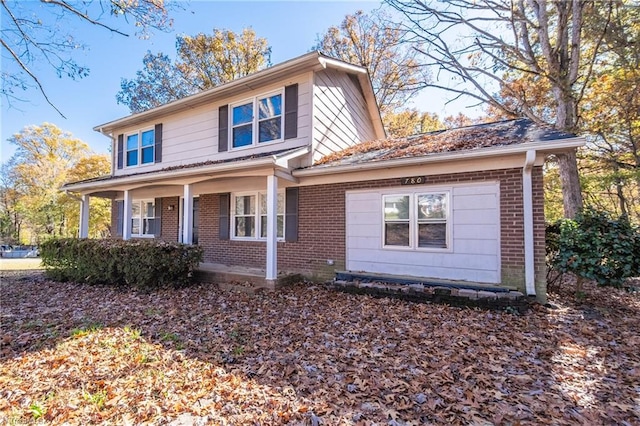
x=191 y=136
x=340 y=114
x=475 y=236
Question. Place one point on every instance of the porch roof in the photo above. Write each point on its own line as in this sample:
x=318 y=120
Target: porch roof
x=275 y=160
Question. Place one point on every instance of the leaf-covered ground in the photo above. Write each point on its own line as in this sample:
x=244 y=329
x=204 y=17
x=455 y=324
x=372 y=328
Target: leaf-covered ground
x=305 y=355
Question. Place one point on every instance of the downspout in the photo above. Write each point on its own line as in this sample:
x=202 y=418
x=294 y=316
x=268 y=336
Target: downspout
x=527 y=199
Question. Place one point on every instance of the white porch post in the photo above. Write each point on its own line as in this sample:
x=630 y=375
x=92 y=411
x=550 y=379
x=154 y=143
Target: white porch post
x=84 y=217
x=126 y=216
x=187 y=221
x=527 y=199
x=272 y=228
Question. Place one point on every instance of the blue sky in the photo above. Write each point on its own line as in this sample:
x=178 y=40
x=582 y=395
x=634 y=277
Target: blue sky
x=291 y=28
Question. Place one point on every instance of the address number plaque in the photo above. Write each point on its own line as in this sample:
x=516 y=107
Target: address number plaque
x=415 y=180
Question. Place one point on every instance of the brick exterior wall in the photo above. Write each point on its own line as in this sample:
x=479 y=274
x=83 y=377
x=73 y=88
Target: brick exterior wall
x=170 y=219
x=321 y=233
x=114 y=220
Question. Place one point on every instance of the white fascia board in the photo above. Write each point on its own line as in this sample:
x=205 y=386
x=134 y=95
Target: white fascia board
x=328 y=62
x=547 y=147
x=278 y=160
x=170 y=174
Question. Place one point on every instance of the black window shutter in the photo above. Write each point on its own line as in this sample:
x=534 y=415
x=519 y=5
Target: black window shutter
x=291 y=212
x=157 y=221
x=291 y=111
x=223 y=128
x=119 y=218
x=120 y=151
x=158 y=142
x=224 y=218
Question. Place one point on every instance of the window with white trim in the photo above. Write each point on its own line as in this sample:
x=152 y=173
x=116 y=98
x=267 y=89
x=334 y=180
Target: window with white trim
x=249 y=218
x=143 y=217
x=249 y=128
x=140 y=148
x=417 y=220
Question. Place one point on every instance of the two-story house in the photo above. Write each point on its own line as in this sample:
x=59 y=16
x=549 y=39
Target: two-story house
x=288 y=170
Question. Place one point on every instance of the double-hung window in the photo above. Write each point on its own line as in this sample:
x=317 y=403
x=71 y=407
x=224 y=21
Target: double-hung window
x=257 y=121
x=418 y=220
x=140 y=148
x=143 y=218
x=250 y=215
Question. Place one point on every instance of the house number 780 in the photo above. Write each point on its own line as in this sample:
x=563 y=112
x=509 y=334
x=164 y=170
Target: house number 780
x=416 y=180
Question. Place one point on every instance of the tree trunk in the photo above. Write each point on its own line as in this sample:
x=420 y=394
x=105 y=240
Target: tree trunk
x=570 y=181
x=567 y=162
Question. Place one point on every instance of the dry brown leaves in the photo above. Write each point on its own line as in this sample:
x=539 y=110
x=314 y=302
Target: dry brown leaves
x=305 y=355
x=466 y=138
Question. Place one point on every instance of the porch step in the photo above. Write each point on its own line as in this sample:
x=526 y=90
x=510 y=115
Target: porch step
x=456 y=294
x=246 y=279
x=408 y=280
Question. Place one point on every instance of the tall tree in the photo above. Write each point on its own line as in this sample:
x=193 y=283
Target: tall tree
x=411 y=122
x=11 y=216
x=370 y=41
x=32 y=34
x=611 y=112
x=203 y=62
x=44 y=159
x=486 y=46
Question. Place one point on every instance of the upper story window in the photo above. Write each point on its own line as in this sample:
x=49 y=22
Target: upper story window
x=249 y=128
x=417 y=220
x=140 y=148
x=250 y=215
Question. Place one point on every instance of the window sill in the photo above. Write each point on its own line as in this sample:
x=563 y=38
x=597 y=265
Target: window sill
x=255 y=145
x=263 y=240
x=419 y=249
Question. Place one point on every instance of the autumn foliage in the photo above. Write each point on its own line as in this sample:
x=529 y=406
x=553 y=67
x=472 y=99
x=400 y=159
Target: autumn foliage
x=95 y=355
x=136 y=263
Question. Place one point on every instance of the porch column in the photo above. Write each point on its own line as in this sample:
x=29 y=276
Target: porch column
x=126 y=216
x=187 y=216
x=84 y=217
x=272 y=228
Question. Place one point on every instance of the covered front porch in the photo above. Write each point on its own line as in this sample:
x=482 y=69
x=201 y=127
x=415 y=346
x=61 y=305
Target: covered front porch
x=154 y=217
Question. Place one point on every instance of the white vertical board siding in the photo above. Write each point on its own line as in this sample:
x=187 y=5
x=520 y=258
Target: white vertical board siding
x=475 y=236
x=191 y=136
x=340 y=113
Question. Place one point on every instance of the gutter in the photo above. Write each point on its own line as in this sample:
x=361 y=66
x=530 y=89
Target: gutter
x=558 y=145
x=527 y=200
x=272 y=160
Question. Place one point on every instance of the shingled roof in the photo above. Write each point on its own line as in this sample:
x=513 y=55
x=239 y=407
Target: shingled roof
x=501 y=133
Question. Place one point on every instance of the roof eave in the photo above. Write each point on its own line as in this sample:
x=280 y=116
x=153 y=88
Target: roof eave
x=276 y=160
x=307 y=62
x=177 y=173
x=545 y=147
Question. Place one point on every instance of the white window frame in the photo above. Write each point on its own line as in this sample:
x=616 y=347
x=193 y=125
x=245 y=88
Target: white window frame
x=139 y=148
x=258 y=214
x=414 y=221
x=255 y=121
x=142 y=217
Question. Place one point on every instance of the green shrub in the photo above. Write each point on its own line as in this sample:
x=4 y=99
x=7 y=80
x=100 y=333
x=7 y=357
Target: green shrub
x=594 y=246
x=142 y=264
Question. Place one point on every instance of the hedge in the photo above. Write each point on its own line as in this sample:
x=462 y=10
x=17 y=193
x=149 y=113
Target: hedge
x=594 y=246
x=141 y=264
